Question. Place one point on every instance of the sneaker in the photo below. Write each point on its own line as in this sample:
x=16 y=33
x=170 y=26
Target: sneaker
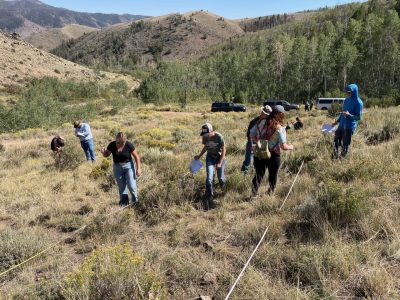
x=253 y=196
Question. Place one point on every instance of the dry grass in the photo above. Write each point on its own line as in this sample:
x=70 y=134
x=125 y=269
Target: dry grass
x=337 y=235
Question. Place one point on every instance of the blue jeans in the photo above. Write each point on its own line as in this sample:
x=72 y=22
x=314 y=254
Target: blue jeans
x=88 y=148
x=210 y=163
x=248 y=158
x=343 y=139
x=125 y=176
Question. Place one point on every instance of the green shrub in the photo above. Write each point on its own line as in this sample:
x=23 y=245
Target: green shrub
x=119 y=86
x=70 y=157
x=381 y=102
x=113 y=273
x=335 y=109
x=342 y=206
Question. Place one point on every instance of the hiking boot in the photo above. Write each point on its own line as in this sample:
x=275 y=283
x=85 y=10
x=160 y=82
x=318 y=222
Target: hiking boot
x=208 y=202
x=211 y=203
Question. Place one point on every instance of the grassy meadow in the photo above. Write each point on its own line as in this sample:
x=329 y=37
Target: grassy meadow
x=336 y=237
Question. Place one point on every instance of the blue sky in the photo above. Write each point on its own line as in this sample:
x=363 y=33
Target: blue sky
x=232 y=9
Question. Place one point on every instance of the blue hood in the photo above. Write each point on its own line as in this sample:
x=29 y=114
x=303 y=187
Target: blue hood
x=354 y=106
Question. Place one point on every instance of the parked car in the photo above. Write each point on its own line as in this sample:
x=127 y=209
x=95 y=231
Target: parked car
x=227 y=106
x=326 y=103
x=286 y=105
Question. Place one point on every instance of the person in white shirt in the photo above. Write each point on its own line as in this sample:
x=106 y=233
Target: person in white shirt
x=83 y=132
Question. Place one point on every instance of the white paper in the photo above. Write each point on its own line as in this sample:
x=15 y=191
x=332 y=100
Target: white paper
x=195 y=166
x=328 y=128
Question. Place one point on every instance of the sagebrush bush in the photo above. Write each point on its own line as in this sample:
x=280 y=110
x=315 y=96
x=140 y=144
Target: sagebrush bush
x=15 y=246
x=70 y=157
x=115 y=272
x=342 y=205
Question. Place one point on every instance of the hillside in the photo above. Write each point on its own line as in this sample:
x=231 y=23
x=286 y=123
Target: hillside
x=53 y=37
x=337 y=236
x=312 y=57
x=20 y=61
x=172 y=36
x=26 y=17
x=267 y=22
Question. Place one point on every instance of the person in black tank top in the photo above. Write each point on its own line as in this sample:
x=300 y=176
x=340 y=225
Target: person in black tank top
x=125 y=172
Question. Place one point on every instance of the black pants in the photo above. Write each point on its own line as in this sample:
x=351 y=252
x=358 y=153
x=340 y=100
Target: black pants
x=260 y=165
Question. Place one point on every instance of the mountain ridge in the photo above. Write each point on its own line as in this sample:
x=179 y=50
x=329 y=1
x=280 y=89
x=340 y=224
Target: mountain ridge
x=30 y=16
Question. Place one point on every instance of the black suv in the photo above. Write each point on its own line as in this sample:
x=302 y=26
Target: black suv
x=227 y=106
x=286 y=105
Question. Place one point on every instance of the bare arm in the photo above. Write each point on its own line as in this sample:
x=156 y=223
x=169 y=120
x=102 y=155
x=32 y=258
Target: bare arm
x=201 y=153
x=285 y=146
x=137 y=161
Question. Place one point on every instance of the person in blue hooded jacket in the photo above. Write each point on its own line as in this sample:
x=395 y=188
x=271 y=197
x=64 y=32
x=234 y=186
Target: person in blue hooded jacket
x=348 y=120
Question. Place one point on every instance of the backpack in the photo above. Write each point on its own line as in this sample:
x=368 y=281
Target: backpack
x=261 y=149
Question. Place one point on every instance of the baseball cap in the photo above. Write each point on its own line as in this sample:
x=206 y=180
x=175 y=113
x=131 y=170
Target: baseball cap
x=76 y=124
x=206 y=129
x=266 y=109
x=278 y=108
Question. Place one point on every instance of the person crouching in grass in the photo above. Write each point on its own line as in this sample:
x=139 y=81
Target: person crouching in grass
x=215 y=147
x=124 y=169
x=56 y=145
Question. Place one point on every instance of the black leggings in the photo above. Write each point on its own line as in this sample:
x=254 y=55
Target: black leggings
x=260 y=165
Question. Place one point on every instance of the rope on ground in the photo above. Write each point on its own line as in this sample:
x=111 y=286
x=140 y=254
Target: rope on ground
x=266 y=230
x=56 y=243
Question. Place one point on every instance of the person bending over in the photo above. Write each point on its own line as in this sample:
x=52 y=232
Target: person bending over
x=215 y=147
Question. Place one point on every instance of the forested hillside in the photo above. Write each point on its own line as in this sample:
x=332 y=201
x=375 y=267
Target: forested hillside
x=147 y=42
x=312 y=57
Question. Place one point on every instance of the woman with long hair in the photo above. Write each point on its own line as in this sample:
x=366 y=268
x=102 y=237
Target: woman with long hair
x=275 y=133
x=125 y=171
